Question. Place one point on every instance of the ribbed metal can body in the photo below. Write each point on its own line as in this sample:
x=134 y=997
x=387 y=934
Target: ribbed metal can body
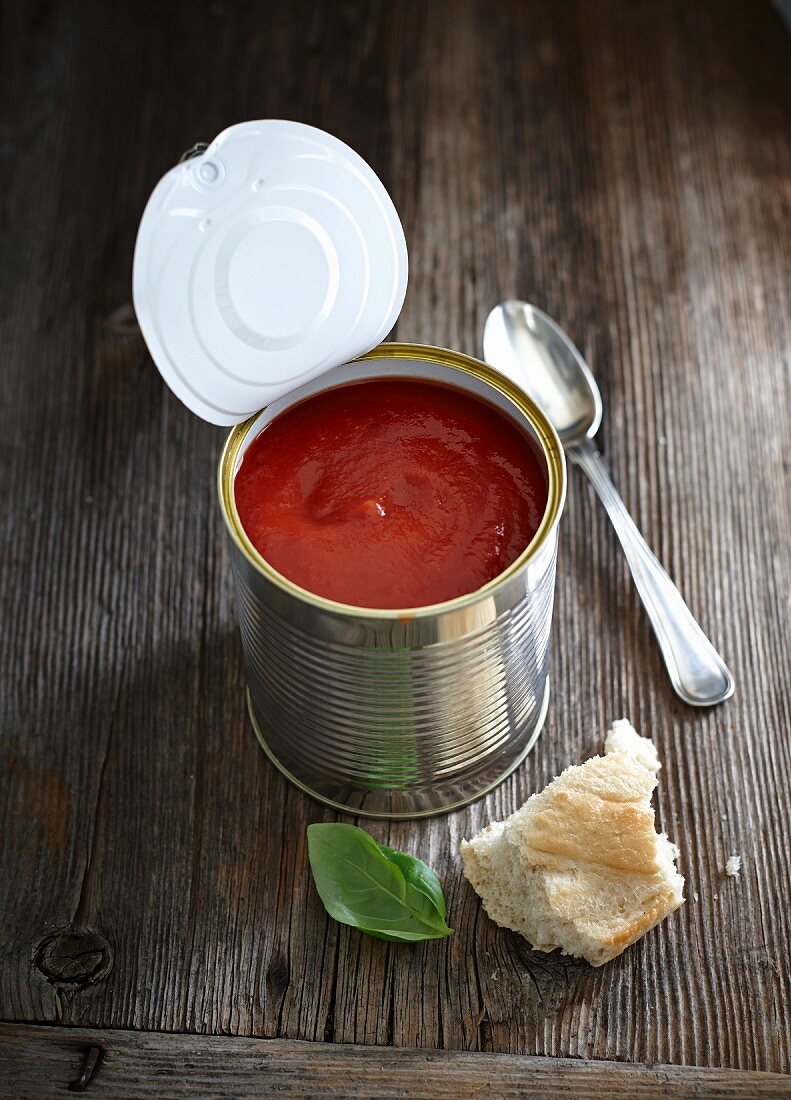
x=399 y=713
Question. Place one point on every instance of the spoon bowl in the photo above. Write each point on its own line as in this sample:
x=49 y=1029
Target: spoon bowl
x=526 y=344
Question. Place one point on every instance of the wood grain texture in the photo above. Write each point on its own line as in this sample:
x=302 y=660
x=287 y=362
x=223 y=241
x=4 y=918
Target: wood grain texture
x=39 y=1062
x=624 y=166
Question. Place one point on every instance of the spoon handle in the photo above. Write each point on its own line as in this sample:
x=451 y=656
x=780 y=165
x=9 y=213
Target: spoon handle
x=698 y=673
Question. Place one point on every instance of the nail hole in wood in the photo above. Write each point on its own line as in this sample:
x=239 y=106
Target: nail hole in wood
x=93 y=1057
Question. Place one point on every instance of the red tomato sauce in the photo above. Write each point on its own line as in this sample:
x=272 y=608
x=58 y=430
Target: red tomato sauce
x=391 y=493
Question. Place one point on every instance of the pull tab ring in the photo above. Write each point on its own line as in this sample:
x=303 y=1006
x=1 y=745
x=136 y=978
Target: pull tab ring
x=197 y=150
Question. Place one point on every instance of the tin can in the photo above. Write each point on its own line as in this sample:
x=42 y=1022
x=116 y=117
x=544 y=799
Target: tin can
x=409 y=713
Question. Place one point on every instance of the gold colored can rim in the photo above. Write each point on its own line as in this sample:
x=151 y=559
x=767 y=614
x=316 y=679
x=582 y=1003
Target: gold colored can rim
x=547 y=437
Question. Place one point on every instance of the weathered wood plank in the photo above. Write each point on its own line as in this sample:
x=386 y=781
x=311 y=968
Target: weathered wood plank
x=39 y=1062
x=623 y=166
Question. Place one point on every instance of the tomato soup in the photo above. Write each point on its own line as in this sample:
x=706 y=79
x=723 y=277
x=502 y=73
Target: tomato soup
x=391 y=493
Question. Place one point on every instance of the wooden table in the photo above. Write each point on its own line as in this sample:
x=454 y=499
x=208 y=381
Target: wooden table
x=623 y=165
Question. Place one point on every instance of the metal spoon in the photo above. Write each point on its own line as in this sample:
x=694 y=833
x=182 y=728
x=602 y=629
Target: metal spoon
x=534 y=352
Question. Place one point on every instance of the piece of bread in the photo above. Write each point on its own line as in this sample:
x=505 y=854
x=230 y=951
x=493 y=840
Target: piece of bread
x=580 y=866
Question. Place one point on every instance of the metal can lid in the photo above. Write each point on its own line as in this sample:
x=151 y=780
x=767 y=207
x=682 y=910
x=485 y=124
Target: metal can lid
x=265 y=259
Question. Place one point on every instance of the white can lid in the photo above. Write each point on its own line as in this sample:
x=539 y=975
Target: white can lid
x=264 y=261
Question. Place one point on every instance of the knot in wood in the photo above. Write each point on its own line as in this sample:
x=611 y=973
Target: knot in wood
x=74 y=958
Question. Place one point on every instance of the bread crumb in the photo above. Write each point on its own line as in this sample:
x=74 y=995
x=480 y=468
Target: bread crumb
x=733 y=866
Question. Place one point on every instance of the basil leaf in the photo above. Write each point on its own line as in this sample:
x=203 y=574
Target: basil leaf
x=397 y=939
x=418 y=874
x=362 y=886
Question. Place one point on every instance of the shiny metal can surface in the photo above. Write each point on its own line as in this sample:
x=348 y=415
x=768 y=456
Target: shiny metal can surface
x=406 y=713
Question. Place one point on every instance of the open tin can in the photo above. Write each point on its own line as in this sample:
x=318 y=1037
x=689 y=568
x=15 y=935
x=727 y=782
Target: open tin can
x=398 y=713
x=411 y=712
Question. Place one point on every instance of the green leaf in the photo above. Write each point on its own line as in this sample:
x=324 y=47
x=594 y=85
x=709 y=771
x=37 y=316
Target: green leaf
x=363 y=885
x=418 y=874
